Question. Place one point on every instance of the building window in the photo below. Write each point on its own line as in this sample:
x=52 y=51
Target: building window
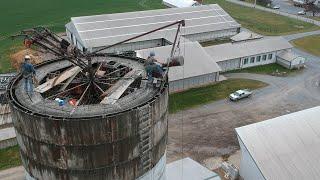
x=270 y=56
x=245 y=61
x=258 y=58
x=264 y=57
x=252 y=60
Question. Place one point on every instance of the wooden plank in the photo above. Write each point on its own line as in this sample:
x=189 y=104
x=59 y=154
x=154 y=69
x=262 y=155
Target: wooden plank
x=70 y=80
x=116 y=91
x=57 y=80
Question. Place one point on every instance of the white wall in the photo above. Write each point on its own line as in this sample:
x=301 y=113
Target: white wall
x=229 y=65
x=248 y=168
x=284 y=63
x=258 y=62
x=187 y=83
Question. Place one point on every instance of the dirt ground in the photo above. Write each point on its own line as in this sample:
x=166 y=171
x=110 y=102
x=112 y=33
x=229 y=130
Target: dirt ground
x=208 y=132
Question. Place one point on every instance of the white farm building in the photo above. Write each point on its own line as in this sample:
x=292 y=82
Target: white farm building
x=239 y=55
x=203 y=23
x=285 y=147
x=180 y=3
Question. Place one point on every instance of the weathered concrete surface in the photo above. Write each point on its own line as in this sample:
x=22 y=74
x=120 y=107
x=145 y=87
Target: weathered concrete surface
x=122 y=144
x=5 y=115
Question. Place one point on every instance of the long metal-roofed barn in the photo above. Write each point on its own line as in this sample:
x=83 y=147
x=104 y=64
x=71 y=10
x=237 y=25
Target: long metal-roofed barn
x=203 y=23
x=109 y=139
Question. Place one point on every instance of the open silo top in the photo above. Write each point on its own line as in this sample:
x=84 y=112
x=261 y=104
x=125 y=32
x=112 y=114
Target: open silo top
x=65 y=91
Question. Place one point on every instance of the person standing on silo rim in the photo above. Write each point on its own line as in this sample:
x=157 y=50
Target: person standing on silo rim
x=28 y=72
x=153 y=67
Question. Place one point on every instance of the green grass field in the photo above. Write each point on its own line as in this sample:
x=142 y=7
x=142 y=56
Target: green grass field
x=16 y=15
x=9 y=157
x=204 y=95
x=263 y=22
x=309 y=44
x=266 y=69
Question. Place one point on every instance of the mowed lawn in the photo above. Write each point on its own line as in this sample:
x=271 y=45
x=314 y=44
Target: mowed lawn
x=9 y=157
x=264 y=22
x=16 y=15
x=309 y=44
x=199 y=96
x=270 y=69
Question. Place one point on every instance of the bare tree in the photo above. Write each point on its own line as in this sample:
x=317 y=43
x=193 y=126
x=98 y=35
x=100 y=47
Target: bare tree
x=310 y=6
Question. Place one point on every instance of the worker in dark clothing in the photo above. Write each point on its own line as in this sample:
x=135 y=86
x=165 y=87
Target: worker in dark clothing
x=153 y=67
x=28 y=72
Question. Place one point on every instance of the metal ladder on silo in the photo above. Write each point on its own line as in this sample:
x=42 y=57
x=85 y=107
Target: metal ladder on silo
x=145 y=137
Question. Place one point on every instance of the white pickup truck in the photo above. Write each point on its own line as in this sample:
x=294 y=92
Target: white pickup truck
x=240 y=94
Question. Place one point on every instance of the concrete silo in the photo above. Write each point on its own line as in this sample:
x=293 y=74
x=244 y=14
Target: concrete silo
x=125 y=139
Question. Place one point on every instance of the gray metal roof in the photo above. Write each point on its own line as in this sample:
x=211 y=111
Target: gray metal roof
x=100 y=30
x=188 y=169
x=196 y=61
x=229 y=51
x=286 y=147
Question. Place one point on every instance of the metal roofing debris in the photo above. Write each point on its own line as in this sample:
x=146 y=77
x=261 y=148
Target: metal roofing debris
x=229 y=51
x=244 y=36
x=286 y=147
x=196 y=61
x=101 y=30
x=188 y=169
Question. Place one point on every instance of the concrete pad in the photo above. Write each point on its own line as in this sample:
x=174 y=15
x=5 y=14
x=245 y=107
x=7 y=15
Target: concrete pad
x=16 y=173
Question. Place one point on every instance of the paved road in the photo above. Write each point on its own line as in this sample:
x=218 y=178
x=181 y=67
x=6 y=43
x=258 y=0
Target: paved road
x=287 y=6
x=209 y=129
x=300 y=35
x=16 y=173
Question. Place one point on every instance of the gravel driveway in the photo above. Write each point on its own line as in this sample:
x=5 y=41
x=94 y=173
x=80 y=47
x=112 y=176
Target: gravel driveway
x=208 y=130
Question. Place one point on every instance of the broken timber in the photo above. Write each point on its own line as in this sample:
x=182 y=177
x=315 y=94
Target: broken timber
x=116 y=91
x=57 y=80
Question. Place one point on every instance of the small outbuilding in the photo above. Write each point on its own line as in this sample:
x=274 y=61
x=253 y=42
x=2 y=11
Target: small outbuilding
x=290 y=60
x=286 y=147
x=244 y=54
x=199 y=68
x=180 y=3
